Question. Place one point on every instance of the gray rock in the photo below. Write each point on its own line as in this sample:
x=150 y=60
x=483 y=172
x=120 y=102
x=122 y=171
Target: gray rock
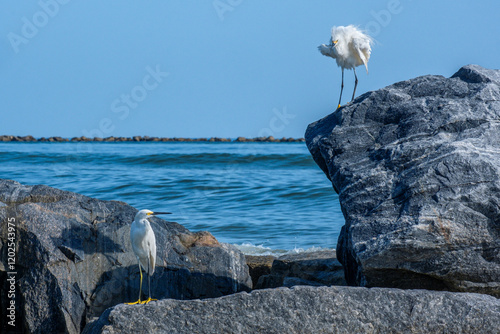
x=417 y=169
x=74 y=258
x=308 y=268
x=310 y=310
x=259 y=265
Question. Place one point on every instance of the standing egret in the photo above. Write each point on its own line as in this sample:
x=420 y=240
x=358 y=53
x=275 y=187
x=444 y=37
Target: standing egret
x=143 y=242
x=350 y=47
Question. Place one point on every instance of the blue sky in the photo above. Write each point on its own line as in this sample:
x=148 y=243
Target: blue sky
x=223 y=68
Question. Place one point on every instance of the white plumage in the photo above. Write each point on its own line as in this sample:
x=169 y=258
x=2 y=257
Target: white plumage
x=350 y=47
x=143 y=242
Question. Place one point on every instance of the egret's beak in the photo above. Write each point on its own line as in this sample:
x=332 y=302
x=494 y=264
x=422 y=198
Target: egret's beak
x=161 y=213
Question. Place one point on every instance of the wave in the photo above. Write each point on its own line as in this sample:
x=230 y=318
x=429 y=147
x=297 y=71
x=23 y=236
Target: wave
x=220 y=160
x=261 y=250
x=266 y=199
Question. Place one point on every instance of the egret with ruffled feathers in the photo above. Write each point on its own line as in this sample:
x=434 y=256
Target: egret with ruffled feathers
x=350 y=47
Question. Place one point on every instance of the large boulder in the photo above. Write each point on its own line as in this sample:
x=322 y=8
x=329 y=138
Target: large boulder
x=417 y=169
x=310 y=310
x=74 y=258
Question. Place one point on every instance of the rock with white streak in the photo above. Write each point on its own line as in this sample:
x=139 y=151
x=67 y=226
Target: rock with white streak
x=417 y=169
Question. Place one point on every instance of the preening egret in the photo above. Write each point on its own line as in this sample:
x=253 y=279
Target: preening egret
x=350 y=47
x=143 y=242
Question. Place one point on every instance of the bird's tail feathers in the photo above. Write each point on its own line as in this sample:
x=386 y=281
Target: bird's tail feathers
x=364 y=58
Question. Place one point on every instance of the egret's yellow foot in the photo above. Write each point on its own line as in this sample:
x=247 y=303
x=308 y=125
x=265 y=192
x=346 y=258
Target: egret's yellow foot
x=137 y=302
x=148 y=300
x=338 y=106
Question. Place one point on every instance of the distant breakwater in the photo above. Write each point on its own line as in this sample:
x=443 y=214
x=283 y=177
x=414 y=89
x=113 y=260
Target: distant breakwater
x=270 y=139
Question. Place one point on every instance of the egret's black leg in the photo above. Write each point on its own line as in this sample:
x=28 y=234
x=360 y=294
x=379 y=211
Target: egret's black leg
x=140 y=285
x=341 y=88
x=355 y=84
x=149 y=285
x=140 y=288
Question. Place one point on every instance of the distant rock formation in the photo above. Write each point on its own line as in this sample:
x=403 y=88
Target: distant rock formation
x=74 y=258
x=270 y=139
x=417 y=169
x=306 y=309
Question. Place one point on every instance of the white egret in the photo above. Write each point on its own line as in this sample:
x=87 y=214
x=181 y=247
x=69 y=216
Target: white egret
x=350 y=47
x=143 y=242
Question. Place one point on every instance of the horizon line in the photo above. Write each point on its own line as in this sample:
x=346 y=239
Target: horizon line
x=119 y=139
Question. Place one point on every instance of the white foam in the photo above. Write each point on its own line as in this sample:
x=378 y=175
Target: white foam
x=251 y=249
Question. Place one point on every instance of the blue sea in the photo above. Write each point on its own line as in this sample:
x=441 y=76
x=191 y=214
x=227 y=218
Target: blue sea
x=266 y=198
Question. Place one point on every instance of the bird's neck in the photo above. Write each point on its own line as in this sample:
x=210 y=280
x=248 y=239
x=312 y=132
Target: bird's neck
x=142 y=222
x=333 y=51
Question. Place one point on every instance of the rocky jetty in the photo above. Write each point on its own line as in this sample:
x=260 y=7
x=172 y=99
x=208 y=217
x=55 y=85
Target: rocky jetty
x=111 y=139
x=74 y=259
x=417 y=169
x=310 y=310
x=309 y=268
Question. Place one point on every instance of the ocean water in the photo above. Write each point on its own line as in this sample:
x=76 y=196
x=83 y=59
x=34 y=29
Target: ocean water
x=263 y=197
